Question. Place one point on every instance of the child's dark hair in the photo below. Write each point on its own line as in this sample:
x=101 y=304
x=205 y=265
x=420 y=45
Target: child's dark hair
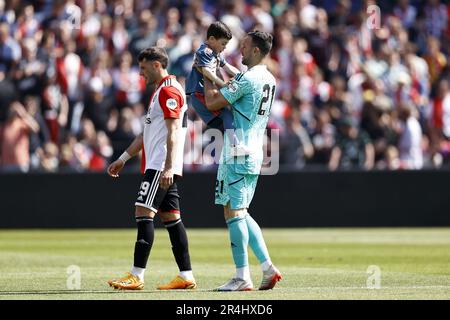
x=154 y=54
x=219 y=30
x=261 y=40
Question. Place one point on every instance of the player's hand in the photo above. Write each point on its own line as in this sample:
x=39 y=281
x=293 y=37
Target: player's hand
x=166 y=179
x=115 y=167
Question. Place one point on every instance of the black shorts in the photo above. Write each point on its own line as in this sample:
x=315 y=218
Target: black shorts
x=155 y=198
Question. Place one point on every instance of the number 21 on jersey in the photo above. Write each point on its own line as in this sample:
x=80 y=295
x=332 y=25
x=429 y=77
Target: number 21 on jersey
x=265 y=106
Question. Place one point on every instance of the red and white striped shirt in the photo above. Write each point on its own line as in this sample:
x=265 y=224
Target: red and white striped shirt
x=167 y=102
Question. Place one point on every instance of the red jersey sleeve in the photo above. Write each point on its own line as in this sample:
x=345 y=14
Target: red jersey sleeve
x=171 y=101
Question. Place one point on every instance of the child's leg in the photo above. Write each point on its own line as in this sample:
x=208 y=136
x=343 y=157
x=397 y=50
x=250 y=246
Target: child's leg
x=197 y=101
x=221 y=120
x=227 y=118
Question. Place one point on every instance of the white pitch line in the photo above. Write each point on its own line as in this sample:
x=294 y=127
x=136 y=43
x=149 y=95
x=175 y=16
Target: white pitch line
x=94 y=291
x=209 y=290
x=365 y=288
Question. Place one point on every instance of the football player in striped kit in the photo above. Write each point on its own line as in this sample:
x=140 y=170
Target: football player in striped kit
x=162 y=142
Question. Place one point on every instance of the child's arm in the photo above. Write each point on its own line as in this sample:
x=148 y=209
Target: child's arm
x=213 y=77
x=205 y=63
x=229 y=69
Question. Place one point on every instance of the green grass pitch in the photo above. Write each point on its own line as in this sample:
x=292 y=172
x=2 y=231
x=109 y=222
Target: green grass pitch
x=316 y=264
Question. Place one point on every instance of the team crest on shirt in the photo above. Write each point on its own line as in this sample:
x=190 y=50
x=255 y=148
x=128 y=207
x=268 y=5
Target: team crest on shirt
x=171 y=104
x=208 y=50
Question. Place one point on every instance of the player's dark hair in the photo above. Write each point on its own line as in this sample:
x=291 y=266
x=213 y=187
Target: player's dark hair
x=261 y=40
x=219 y=30
x=154 y=54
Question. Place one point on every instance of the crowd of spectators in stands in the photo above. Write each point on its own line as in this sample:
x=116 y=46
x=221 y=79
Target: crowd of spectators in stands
x=357 y=88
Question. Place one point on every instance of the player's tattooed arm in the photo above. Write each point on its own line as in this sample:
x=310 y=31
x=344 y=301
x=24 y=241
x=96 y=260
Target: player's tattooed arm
x=213 y=98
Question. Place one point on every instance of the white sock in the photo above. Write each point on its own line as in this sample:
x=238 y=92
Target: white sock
x=138 y=272
x=243 y=273
x=266 y=265
x=187 y=275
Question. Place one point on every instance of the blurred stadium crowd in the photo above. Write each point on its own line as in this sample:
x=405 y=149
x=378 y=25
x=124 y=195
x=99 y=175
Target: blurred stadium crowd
x=352 y=92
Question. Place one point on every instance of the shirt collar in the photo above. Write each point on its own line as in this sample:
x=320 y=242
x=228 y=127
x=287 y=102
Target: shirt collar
x=164 y=79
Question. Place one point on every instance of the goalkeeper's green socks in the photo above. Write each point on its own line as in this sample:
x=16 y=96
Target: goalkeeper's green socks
x=238 y=231
x=257 y=243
